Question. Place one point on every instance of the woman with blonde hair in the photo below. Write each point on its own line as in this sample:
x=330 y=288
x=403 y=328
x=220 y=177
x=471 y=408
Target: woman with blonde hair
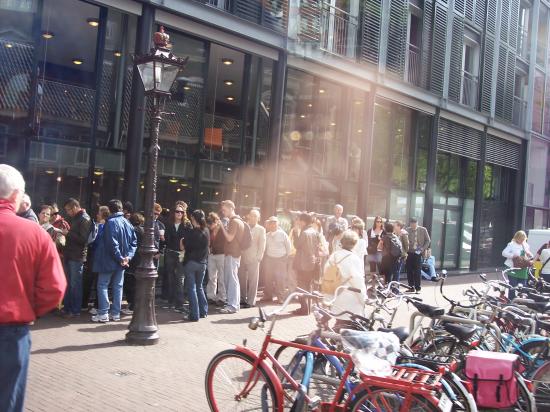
x=517 y=254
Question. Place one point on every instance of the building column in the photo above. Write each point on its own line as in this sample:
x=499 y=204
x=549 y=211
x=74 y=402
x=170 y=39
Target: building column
x=366 y=155
x=431 y=177
x=480 y=179
x=271 y=185
x=134 y=147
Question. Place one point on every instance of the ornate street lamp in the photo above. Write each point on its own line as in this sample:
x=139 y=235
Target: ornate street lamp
x=158 y=70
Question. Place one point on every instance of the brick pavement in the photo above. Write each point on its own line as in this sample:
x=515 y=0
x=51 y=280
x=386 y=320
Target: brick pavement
x=81 y=366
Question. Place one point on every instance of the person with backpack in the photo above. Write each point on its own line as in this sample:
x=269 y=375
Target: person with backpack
x=392 y=251
x=237 y=238
x=75 y=252
x=345 y=268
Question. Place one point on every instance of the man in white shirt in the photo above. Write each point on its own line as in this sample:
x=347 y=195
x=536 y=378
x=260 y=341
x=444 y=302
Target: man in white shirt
x=249 y=271
x=275 y=262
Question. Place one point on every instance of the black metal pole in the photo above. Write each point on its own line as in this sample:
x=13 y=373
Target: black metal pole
x=431 y=175
x=143 y=329
x=134 y=146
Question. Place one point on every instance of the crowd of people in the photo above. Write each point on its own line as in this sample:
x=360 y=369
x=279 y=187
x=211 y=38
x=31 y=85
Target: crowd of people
x=220 y=259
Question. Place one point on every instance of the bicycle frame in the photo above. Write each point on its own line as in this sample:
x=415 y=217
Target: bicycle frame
x=260 y=362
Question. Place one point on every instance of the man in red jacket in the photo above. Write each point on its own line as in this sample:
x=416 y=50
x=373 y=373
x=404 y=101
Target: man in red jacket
x=33 y=283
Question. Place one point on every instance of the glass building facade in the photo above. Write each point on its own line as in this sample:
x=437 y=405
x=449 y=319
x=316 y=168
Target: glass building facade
x=291 y=108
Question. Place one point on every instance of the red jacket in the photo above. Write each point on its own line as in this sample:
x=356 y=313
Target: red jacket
x=32 y=281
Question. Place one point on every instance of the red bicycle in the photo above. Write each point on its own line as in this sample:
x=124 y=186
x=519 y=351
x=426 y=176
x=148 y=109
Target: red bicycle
x=241 y=380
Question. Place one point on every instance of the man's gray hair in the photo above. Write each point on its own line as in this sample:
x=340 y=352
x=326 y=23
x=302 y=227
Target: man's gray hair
x=10 y=180
x=349 y=239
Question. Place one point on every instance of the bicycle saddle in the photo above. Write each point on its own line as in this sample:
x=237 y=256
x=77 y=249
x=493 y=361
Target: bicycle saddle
x=538 y=297
x=541 y=307
x=428 y=310
x=401 y=332
x=462 y=332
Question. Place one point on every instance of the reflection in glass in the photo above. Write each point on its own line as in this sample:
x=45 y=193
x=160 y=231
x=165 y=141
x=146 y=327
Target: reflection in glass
x=66 y=86
x=57 y=172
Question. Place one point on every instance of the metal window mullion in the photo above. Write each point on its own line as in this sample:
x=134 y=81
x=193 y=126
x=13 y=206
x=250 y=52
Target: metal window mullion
x=532 y=64
x=100 y=52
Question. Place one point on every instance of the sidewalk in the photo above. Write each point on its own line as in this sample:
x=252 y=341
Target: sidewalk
x=82 y=366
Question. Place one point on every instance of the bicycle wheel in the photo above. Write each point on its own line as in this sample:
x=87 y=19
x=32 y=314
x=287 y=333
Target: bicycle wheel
x=448 y=347
x=541 y=386
x=539 y=352
x=227 y=375
x=390 y=400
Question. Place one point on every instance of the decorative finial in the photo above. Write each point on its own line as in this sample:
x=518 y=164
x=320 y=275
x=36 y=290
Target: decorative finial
x=161 y=39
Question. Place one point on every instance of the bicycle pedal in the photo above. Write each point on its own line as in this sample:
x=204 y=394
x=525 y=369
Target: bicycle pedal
x=314 y=403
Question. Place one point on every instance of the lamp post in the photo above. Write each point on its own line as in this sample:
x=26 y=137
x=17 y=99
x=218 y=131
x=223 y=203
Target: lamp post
x=158 y=70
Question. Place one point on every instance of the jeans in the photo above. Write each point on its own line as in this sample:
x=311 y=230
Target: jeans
x=249 y=274
x=179 y=285
x=231 y=278
x=171 y=260
x=215 y=290
x=513 y=281
x=275 y=274
x=73 y=296
x=198 y=305
x=414 y=265
x=129 y=289
x=15 y=346
x=389 y=268
x=116 y=279
x=429 y=263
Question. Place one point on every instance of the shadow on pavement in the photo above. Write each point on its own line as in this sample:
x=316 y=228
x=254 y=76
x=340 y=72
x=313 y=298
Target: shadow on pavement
x=105 y=327
x=79 y=348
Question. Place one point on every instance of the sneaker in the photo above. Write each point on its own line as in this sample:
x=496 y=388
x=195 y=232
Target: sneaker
x=93 y=311
x=127 y=312
x=114 y=318
x=228 y=310
x=100 y=318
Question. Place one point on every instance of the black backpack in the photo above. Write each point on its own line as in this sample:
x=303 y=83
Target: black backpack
x=246 y=237
x=396 y=249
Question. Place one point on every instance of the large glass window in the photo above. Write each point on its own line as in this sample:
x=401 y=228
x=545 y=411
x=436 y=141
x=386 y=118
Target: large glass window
x=317 y=143
x=453 y=215
x=538 y=184
x=496 y=214
x=17 y=49
x=66 y=89
x=181 y=132
x=116 y=80
x=223 y=126
x=538 y=102
x=57 y=172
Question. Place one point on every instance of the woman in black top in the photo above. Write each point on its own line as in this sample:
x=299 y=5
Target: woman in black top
x=195 y=245
x=180 y=226
x=374 y=256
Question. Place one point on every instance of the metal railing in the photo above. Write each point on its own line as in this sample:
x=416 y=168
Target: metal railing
x=338 y=31
x=470 y=89
x=413 y=64
x=524 y=46
x=519 y=111
x=272 y=14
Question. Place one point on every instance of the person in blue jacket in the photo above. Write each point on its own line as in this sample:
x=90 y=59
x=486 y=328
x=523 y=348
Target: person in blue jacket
x=115 y=249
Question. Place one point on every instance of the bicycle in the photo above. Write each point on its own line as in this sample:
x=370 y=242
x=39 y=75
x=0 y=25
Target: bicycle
x=240 y=379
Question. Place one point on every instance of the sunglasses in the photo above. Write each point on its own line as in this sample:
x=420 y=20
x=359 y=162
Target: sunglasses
x=178 y=212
